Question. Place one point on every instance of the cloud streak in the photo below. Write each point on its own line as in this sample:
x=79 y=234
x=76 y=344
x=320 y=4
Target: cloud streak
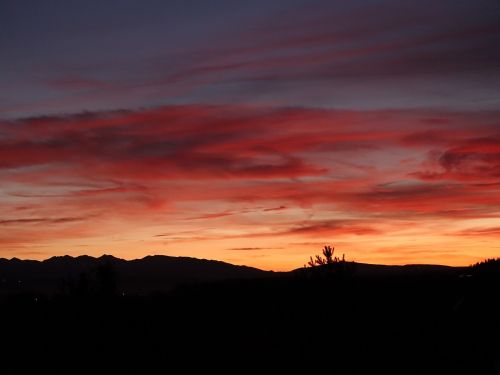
x=302 y=54
x=247 y=175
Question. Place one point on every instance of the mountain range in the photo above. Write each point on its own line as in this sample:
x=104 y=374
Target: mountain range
x=157 y=273
x=149 y=274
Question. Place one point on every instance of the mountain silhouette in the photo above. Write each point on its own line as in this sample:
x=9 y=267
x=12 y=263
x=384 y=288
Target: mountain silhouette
x=161 y=273
x=156 y=273
x=151 y=315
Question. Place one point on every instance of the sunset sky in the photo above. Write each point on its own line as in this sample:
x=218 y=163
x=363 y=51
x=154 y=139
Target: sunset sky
x=253 y=132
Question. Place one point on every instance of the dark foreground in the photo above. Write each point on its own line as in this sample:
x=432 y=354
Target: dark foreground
x=315 y=323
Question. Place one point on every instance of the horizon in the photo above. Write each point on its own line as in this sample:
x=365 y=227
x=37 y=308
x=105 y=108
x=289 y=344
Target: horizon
x=103 y=255
x=251 y=133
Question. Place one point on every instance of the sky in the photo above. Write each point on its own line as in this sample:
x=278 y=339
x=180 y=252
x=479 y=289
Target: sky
x=252 y=132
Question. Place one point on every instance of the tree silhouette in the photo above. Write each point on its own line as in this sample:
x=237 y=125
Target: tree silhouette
x=486 y=269
x=327 y=258
x=330 y=266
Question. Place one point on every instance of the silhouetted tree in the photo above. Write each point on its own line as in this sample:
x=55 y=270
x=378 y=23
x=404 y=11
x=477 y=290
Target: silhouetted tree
x=486 y=269
x=487 y=263
x=332 y=265
x=327 y=258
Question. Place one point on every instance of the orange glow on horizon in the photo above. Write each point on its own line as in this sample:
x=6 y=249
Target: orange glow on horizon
x=266 y=187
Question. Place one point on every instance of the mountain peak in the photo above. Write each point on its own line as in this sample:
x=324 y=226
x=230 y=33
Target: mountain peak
x=108 y=257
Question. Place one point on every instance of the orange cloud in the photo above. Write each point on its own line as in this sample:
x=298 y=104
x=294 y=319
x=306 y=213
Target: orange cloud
x=220 y=174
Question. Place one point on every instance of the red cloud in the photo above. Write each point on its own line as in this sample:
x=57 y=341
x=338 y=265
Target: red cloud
x=164 y=166
x=480 y=232
x=475 y=159
x=372 y=47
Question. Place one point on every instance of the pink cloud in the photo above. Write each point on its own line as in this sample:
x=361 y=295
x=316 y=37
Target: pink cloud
x=246 y=167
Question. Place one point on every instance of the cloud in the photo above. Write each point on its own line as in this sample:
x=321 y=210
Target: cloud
x=120 y=145
x=480 y=232
x=417 y=200
x=215 y=215
x=303 y=55
x=476 y=159
x=253 y=248
x=223 y=173
x=275 y=209
x=427 y=137
x=43 y=220
x=332 y=228
x=206 y=141
x=373 y=46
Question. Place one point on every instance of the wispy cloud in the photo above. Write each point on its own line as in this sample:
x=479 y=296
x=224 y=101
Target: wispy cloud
x=43 y=220
x=480 y=232
x=254 y=248
x=180 y=174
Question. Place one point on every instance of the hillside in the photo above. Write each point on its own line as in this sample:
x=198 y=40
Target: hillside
x=146 y=275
